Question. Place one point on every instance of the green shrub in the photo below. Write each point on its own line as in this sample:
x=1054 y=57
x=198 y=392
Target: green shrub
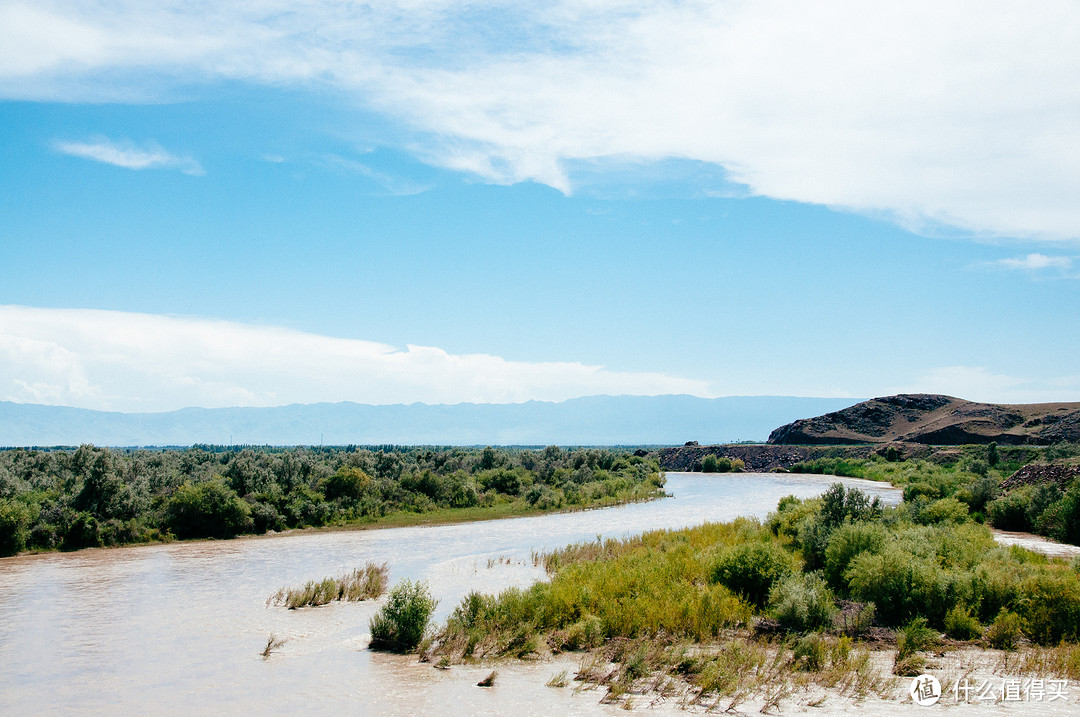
x=811 y=652
x=1005 y=631
x=944 y=510
x=981 y=492
x=751 y=569
x=348 y=483
x=1061 y=521
x=790 y=514
x=910 y=639
x=901 y=584
x=1044 y=495
x=839 y=505
x=1010 y=512
x=910 y=665
x=587 y=632
x=846 y=542
x=801 y=602
x=1050 y=606
x=14 y=527
x=81 y=530
x=401 y=623
x=265 y=517
x=721 y=464
x=460 y=491
x=306 y=506
x=961 y=625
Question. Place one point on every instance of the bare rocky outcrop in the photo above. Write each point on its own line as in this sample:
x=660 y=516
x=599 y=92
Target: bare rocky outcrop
x=933 y=419
x=1036 y=473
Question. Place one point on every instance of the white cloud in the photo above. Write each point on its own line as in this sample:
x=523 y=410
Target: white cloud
x=1036 y=261
x=127 y=155
x=978 y=383
x=958 y=113
x=141 y=362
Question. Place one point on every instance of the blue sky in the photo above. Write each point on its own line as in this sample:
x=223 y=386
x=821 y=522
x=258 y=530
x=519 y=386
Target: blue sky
x=443 y=202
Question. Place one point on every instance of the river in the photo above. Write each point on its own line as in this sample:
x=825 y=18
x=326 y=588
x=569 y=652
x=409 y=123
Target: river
x=178 y=628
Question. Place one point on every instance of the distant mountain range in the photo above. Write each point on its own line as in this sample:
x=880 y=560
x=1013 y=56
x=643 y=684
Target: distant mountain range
x=593 y=420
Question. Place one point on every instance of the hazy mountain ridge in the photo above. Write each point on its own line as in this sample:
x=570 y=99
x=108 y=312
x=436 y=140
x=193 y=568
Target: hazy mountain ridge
x=593 y=420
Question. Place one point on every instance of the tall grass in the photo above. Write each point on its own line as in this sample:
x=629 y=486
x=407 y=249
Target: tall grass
x=366 y=583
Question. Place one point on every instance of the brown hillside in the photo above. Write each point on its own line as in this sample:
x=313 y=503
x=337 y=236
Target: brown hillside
x=936 y=420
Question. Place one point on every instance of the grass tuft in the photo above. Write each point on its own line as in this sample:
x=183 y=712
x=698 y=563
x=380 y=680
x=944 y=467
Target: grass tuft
x=557 y=680
x=273 y=643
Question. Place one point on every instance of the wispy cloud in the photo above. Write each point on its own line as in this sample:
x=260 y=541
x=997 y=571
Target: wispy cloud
x=395 y=186
x=960 y=114
x=1036 y=262
x=126 y=154
x=143 y=362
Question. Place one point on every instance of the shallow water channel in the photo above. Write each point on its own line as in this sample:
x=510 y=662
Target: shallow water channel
x=177 y=629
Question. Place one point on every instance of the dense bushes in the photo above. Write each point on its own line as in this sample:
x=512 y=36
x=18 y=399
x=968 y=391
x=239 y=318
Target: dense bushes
x=14 y=526
x=70 y=499
x=949 y=573
x=751 y=569
x=968 y=489
x=207 y=510
x=920 y=573
x=721 y=464
x=801 y=602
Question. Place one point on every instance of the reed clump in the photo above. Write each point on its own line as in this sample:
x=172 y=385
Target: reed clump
x=366 y=583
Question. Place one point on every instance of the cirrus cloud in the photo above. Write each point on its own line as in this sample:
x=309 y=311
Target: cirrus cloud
x=129 y=156
x=959 y=114
x=113 y=360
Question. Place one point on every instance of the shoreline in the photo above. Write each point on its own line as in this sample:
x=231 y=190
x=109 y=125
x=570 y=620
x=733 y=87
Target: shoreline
x=454 y=516
x=444 y=516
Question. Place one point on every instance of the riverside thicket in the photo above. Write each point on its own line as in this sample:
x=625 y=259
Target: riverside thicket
x=86 y=497
x=745 y=608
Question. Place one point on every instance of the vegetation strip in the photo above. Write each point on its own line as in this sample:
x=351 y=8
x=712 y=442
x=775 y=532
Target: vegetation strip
x=366 y=583
x=984 y=484
x=69 y=499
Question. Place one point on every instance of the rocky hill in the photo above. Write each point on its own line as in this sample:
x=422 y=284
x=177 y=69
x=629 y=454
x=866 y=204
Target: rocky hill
x=936 y=420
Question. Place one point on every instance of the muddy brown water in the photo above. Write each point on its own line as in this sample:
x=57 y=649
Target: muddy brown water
x=178 y=629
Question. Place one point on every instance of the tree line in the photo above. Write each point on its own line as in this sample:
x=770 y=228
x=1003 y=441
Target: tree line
x=91 y=496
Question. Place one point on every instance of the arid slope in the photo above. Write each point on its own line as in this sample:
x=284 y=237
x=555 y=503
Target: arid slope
x=936 y=420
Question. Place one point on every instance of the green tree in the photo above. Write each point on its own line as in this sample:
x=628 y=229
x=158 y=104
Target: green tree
x=207 y=510
x=14 y=526
x=348 y=482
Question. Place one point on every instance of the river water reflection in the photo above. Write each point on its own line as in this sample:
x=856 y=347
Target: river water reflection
x=177 y=629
